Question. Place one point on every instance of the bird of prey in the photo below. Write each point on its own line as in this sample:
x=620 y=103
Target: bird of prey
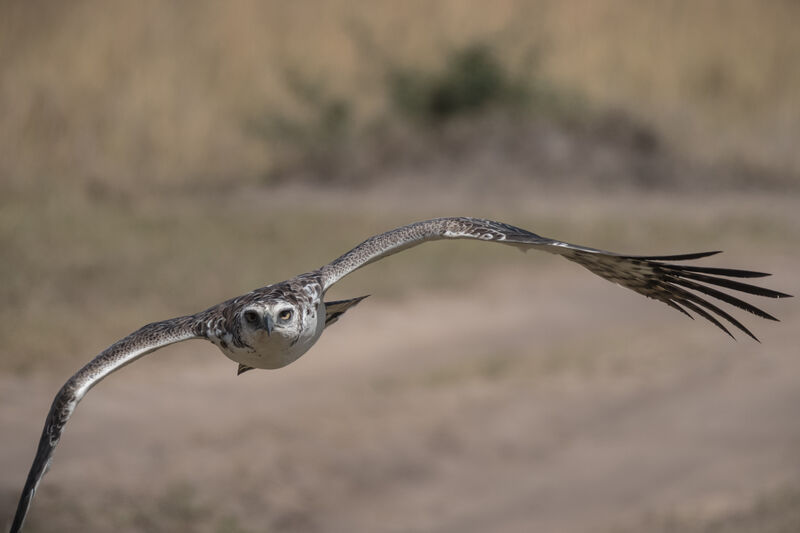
x=272 y=326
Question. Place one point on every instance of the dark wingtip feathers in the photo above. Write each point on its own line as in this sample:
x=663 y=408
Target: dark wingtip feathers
x=678 y=257
x=676 y=279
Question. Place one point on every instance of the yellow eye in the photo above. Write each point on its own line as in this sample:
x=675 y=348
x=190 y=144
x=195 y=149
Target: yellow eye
x=285 y=315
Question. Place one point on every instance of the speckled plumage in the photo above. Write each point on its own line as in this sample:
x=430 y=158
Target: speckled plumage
x=272 y=326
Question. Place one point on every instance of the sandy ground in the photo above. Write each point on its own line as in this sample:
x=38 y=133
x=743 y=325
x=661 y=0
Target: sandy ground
x=552 y=402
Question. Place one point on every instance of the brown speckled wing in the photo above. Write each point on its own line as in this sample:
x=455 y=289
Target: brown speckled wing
x=399 y=239
x=679 y=286
x=147 y=339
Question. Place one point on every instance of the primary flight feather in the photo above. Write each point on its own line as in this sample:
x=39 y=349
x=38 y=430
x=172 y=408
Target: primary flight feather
x=272 y=326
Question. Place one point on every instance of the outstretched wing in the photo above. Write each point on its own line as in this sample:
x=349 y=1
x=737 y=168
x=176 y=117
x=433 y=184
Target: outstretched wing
x=147 y=339
x=653 y=276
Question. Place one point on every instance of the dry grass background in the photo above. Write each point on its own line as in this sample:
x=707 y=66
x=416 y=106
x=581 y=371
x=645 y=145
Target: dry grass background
x=119 y=93
x=132 y=189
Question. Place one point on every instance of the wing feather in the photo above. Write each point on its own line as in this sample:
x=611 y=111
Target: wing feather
x=402 y=238
x=719 y=295
x=333 y=310
x=143 y=341
x=708 y=316
x=650 y=276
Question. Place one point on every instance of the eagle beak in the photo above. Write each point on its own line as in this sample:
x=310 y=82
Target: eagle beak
x=269 y=324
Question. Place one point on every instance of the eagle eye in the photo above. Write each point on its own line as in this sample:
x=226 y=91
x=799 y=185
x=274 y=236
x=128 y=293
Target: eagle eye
x=285 y=315
x=251 y=317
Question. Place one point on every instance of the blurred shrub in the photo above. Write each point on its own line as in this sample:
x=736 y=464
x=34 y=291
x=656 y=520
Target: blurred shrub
x=470 y=107
x=319 y=138
x=471 y=80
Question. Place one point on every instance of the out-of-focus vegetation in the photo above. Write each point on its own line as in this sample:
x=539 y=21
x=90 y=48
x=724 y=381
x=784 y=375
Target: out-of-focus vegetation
x=471 y=80
x=425 y=114
x=114 y=96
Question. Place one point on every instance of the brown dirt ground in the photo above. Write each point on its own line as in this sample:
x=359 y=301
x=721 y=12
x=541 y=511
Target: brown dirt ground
x=544 y=401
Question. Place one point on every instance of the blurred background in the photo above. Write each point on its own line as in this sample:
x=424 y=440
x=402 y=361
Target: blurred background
x=157 y=158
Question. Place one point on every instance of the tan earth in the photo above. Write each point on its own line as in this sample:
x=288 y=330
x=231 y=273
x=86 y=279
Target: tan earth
x=543 y=400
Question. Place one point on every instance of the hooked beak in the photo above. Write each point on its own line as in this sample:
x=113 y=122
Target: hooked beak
x=269 y=324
